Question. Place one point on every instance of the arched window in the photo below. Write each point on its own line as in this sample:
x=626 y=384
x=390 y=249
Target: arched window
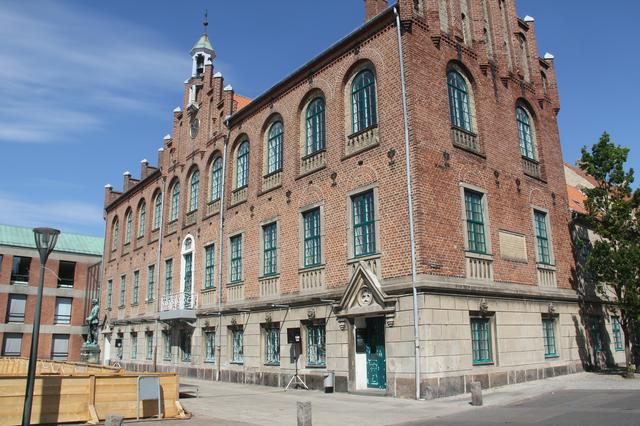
x=142 y=218
x=187 y=270
x=128 y=226
x=274 y=147
x=215 y=181
x=114 y=234
x=157 y=211
x=363 y=101
x=194 y=191
x=242 y=165
x=175 y=201
x=459 y=103
x=525 y=133
x=315 y=125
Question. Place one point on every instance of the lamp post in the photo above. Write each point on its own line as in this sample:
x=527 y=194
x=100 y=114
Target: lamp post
x=46 y=239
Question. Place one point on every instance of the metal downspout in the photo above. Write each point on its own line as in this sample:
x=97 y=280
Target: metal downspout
x=416 y=329
x=220 y=245
x=160 y=236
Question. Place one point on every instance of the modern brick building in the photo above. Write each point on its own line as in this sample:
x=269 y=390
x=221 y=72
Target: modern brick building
x=287 y=217
x=71 y=279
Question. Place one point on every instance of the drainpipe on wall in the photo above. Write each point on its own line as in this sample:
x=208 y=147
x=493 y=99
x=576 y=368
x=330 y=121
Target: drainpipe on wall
x=163 y=179
x=220 y=245
x=416 y=329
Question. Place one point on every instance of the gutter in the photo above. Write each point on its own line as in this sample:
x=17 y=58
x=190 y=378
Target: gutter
x=163 y=181
x=220 y=246
x=414 y=273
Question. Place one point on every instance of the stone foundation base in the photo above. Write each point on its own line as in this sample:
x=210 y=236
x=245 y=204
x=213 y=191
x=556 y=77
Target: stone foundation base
x=90 y=354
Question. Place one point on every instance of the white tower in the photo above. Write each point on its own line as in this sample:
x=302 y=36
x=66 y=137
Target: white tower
x=202 y=52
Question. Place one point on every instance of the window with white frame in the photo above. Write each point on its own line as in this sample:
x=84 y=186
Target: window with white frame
x=63 y=310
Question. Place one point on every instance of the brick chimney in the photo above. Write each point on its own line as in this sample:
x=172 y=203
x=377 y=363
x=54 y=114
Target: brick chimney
x=373 y=8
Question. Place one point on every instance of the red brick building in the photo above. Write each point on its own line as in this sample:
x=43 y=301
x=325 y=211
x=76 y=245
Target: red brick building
x=71 y=279
x=286 y=218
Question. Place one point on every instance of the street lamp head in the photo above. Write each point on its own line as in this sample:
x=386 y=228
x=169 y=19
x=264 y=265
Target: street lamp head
x=46 y=239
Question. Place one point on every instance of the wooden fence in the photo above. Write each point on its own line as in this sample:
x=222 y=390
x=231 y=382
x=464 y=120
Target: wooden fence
x=81 y=396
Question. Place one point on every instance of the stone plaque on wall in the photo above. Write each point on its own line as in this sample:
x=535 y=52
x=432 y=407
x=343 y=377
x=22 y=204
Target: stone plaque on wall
x=513 y=246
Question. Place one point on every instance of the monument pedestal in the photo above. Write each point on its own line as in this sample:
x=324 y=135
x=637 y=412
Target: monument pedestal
x=90 y=354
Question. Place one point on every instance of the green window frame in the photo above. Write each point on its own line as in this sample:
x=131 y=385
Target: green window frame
x=525 y=134
x=209 y=346
x=142 y=219
x=149 y=342
x=617 y=334
x=136 y=288
x=166 y=346
x=168 y=277
x=312 y=238
x=474 y=210
x=123 y=290
x=364 y=224
x=157 y=211
x=542 y=237
x=363 y=101
x=128 y=226
x=549 y=337
x=151 y=284
x=188 y=272
x=315 y=127
x=270 y=252
x=242 y=165
x=175 y=201
x=236 y=258
x=185 y=346
x=481 y=346
x=194 y=191
x=109 y=293
x=209 y=266
x=274 y=148
x=316 y=346
x=216 y=179
x=134 y=345
x=459 y=101
x=595 y=329
x=272 y=345
x=237 y=354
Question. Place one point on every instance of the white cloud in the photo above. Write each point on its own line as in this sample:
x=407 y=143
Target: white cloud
x=63 y=67
x=69 y=215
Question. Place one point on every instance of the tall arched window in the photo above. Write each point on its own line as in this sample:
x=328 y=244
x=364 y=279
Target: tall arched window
x=128 y=226
x=194 y=191
x=114 y=233
x=525 y=133
x=142 y=219
x=175 y=201
x=187 y=270
x=274 y=147
x=242 y=165
x=315 y=125
x=363 y=101
x=157 y=211
x=215 y=181
x=459 y=103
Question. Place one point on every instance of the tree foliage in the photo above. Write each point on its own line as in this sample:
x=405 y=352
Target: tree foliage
x=613 y=213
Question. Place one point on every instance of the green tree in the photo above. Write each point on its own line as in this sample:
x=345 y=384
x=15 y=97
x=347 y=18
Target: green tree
x=613 y=214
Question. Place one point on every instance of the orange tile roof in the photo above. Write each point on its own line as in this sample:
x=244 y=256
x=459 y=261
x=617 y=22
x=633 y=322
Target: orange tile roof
x=241 y=101
x=576 y=199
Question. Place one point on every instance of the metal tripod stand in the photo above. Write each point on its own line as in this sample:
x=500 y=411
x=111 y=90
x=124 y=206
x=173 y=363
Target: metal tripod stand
x=296 y=380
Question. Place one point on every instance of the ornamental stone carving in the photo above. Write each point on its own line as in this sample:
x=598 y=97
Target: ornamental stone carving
x=551 y=308
x=484 y=306
x=268 y=318
x=342 y=324
x=365 y=297
x=311 y=313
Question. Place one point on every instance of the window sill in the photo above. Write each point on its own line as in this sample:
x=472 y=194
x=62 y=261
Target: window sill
x=149 y=301
x=209 y=361
x=271 y=364
x=552 y=357
x=166 y=359
x=25 y=283
x=478 y=255
x=311 y=268
x=484 y=364
x=364 y=258
x=316 y=367
x=546 y=266
x=207 y=290
x=236 y=362
x=269 y=277
x=235 y=283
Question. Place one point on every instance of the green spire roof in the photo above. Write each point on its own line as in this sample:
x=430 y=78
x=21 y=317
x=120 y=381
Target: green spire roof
x=18 y=236
x=202 y=43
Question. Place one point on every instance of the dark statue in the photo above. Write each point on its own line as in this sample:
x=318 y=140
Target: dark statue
x=93 y=322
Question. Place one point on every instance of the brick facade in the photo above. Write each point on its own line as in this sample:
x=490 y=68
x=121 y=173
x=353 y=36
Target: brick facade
x=444 y=161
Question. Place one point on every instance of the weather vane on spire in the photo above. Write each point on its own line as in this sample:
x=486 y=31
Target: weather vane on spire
x=206 y=20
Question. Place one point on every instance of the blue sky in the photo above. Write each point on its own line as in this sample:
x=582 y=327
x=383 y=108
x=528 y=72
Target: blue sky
x=87 y=88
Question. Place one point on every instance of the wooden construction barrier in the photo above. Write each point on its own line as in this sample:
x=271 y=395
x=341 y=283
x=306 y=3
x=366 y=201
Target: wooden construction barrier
x=76 y=396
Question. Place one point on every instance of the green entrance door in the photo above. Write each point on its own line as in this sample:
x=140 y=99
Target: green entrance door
x=374 y=347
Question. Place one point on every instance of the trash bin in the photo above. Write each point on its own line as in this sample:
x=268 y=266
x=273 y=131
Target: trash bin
x=329 y=379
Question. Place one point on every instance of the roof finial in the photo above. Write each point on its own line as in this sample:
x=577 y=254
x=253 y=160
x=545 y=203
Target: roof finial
x=206 y=20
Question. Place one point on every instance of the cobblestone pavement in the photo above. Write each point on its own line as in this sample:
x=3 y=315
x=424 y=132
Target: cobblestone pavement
x=582 y=399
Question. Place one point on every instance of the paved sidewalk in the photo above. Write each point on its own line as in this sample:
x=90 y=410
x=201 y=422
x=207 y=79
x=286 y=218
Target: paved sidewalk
x=244 y=405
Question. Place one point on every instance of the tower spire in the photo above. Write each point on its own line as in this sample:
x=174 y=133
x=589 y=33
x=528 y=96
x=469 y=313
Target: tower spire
x=206 y=21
